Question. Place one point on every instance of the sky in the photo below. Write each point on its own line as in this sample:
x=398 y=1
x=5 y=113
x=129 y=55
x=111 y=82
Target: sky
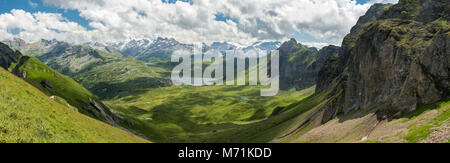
x=313 y=22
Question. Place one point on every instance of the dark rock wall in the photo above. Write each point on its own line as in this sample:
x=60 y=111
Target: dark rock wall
x=299 y=65
x=8 y=56
x=396 y=58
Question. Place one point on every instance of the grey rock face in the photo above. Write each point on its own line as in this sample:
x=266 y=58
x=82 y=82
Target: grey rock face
x=329 y=69
x=59 y=55
x=158 y=49
x=374 y=12
x=8 y=56
x=299 y=65
x=15 y=43
x=330 y=73
x=396 y=62
x=67 y=58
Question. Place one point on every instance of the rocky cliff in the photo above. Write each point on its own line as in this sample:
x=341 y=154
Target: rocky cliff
x=299 y=65
x=8 y=56
x=394 y=59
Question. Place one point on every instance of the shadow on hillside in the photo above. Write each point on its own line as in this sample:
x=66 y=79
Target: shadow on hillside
x=107 y=91
x=177 y=117
x=384 y=112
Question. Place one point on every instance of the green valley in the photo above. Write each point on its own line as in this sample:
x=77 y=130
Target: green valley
x=387 y=82
x=181 y=113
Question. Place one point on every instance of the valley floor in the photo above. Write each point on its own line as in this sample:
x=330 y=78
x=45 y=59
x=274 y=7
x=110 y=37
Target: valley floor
x=197 y=114
x=239 y=114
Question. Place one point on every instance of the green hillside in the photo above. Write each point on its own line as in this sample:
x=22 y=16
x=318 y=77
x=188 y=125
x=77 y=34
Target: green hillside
x=28 y=115
x=104 y=71
x=53 y=83
x=117 y=74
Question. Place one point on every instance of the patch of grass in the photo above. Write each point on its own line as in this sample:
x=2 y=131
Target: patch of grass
x=418 y=132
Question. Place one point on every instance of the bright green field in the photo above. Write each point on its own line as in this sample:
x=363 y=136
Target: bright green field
x=62 y=86
x=180 y=113
x=27 y=115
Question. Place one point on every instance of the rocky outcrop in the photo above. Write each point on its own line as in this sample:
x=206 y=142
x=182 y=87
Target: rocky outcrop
x=330 y=73
x=299 y=64
x=46 y=84
x=395 y=59
x=17 y=71
x=8 y=56
x=15 y=43
x=70 y=59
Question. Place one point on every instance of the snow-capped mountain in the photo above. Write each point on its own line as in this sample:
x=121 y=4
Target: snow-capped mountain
x=264 y=46
x=160 y=49
x=140 y=47
x=222 y=46
x=271 y=45
x=149 y=49
x=131 y=44
x=261 y=45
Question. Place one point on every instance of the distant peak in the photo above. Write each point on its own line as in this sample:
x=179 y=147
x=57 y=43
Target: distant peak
x=293 y=40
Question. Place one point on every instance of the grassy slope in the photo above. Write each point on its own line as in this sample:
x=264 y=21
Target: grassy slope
x=118 y=74
x=63 y=86
x=28 y=115
x=277 y=126
x=419 y=131
x=423 y=125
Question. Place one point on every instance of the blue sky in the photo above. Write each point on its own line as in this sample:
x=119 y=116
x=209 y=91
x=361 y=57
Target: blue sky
x=27 y=5
x=72 y=14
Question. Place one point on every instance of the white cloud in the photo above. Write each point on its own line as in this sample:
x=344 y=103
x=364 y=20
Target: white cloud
x=39 y=25
x=32 y=4
x=318 y=45
x=384 y=1
x=114 y=20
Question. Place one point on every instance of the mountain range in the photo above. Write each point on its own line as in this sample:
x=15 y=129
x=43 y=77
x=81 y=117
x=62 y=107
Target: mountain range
x=160 y=49
x=387 y=82
x=105 y=73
